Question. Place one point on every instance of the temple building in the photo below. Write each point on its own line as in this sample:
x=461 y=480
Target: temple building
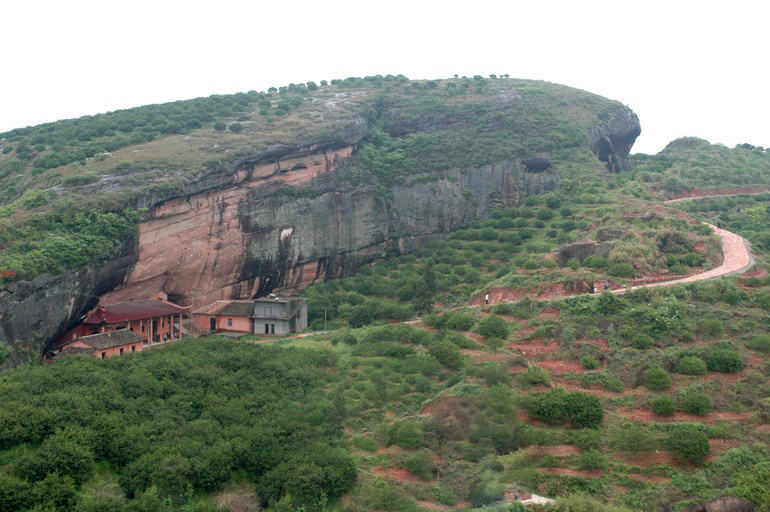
x=155 y=321
x=104 y=345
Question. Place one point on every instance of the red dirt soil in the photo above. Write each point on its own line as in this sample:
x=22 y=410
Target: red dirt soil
x=572 y=472
x=559 y=366
x=443 y=405
x=647 y=415
x=646 y=458
x=397 y=474
x=561 y=450
x=535 y=348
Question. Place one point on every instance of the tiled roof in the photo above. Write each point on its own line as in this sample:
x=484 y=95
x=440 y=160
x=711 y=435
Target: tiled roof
x=134 y=310
x=228 y=308
x=111 y=339
x=74 y=351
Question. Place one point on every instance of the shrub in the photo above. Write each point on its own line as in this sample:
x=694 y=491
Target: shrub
x=557 y=406
x=405 y=434
x=589 y=362
x=366 y=443
x=691 y=365
x=630 y=436
x=656 y=379
x=493 y=326
x=443 y=496
x=447 y=354
x=641 y=341
x=220 y=127
x=696 y=402
x=663 y=406
x=760 y=343
x=724 y=361
x=688 y=443
x=595 y=262
x=592 y=460
x=533 y=375
x=420 y=464
x=712 y=327
x=621 y=270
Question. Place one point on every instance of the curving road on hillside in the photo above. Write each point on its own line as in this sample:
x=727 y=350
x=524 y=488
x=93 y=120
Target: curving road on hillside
x=736 y=259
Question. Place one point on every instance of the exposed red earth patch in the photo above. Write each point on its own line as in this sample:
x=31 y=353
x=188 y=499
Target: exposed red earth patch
x=549 y=314
x=649 y=479
x=483 y=356
x=572 y=472
x=526 y=418
x=646 y=458
x=443 y=405
x=561 y=450
x=647 y=415
x=559 y=366
x=535 y=348
x=722 y=445
x=478 y=338
x=396 y=474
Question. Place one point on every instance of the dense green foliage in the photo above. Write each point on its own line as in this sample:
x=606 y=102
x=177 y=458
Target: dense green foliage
x=189 y=415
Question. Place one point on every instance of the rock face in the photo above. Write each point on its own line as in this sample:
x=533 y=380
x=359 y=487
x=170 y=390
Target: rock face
x=57 y=303
x=256 y=236
x=612 y=140
x=723 y=504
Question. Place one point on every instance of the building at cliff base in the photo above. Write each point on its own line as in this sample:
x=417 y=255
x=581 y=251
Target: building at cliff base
x=272 y=315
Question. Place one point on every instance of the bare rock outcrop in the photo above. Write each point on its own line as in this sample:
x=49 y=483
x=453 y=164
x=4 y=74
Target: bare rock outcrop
x=612 y=140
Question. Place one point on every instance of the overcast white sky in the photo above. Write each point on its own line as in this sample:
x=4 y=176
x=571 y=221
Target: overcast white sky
x=685 y=67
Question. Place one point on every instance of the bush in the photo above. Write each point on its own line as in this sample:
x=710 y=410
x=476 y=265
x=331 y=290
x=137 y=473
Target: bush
x=493 y=326
x=405 y=434
x=220 y=127
x=724 y=361
x=443 y=496
x=557 y=406
x=641 y=342
x=760 y=343
x=663 y=406
x=366 y=443
x=235 y=127
x=688 y=443
x=656 y=379
x=630 y=436
x=712 y=327
x=420 y=464
x=533 y=375
x=622 y=270
x=696 y=402
x=592 y=460
x=589 y=362
x=691 y=365
x=447 y=354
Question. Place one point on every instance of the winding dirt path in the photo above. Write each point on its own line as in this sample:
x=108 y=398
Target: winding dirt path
x=737 y=259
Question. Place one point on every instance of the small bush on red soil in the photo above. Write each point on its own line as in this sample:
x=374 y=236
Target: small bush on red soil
x=533 y=375
x=420 y=464
x=688 y=443
x=589 y=362
x=724 y=361
x=493 y=326
x=692 y=365
x=592 y=460
x=557 y=406
x=663 y=406
x=696 y=402
x=760 y=343
x=656 y=379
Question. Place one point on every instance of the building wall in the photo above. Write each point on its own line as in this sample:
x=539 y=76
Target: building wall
x=115 y=351
x=223 y=323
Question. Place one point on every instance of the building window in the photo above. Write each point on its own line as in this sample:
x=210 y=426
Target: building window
x=104 y=354
x=229 y=322
x=133 y=348
x=121 y=351
x=267 y=328
x=272 y=328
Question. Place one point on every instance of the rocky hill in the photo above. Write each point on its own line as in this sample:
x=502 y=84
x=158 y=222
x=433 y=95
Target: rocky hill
x=307 y=183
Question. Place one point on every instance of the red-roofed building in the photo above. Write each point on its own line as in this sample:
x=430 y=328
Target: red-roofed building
x=104 y=345
x=156 y=321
